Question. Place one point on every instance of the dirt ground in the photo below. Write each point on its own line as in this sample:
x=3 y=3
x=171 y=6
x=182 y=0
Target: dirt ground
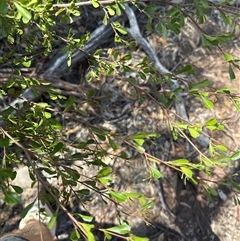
x=193 y=216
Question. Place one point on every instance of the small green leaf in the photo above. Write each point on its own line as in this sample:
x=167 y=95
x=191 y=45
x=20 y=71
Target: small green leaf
x=75 y=235
x=70 y=102
x=47 y=115
x=26 y=15
x=221 y=148
x=118 y=196
x=187 y=172
x=3 y=7
x=227 y=19
x=147 y=206
x=107 y=235
x=211 y=122
x=53 y=220
x=142 y=75
x=136 y=238
x=84 y=192
x=95 y=3
x=98 y=131
x=228 y=57
x=212 y=191
x=27 y=63
x=187 y=68
x=88 y=227
x=179 y=162
x=235 y=156
x=26 y=209
x=85 y=218
x=201 y=85
x=110 y=11
x=104 y=172
x=17 y=189
x=90 y=94
x=139 y=142
x=113 y=144
x=208 y=103
x=11 y=198
x=57 y=148
x=231 y=73
x=211 y=149
x=4 y=142
x=236 y=103
x=118 y=9
x=155 y=173
x=120 y=229
x=59 y=11
x=121 y=30
x=193 y=132
x=7 y=173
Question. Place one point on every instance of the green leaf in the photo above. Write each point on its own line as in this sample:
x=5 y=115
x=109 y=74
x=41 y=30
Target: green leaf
x=235 y=156
x=228 y=57
x=3 y=7
x=60 y=10
x=11 y=198
x=211 y=149
x=231 y=73
x=221 y=148
x=7 y=173
x=136 y=238
x=98 y=131
x=107 y=235
x=85 y=192
x=110 y=11
x=227 y=19
x=211 y=122
x=26 y=15
x=193 y=132
x=236 y=103
x=120 y=229
x=212 y=191
x=142 y=75
x=118 y=196
x=88 y=228
x=26 y=209
x=104 y=172
x=139 y=142
x=187 y=172
x=90 y=94
x=17 y=189
x=147 y=206
x=208 y=103
x=53 y=220
x=27 y=63
x=113 y=144
x=4 y=142
x=121 y=30
x=47 y=115
x=85 y=218
x=95 y=3
x=187 y=68
x=179 y=162
x=201 y=85
x=75 y=235
x=70 y=102
x=58 y=147
x=155 y=172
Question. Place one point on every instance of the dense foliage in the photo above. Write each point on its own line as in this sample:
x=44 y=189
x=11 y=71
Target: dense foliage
x=34 y=109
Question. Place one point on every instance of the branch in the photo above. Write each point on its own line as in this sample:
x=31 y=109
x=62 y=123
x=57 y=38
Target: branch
x=147 y=47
